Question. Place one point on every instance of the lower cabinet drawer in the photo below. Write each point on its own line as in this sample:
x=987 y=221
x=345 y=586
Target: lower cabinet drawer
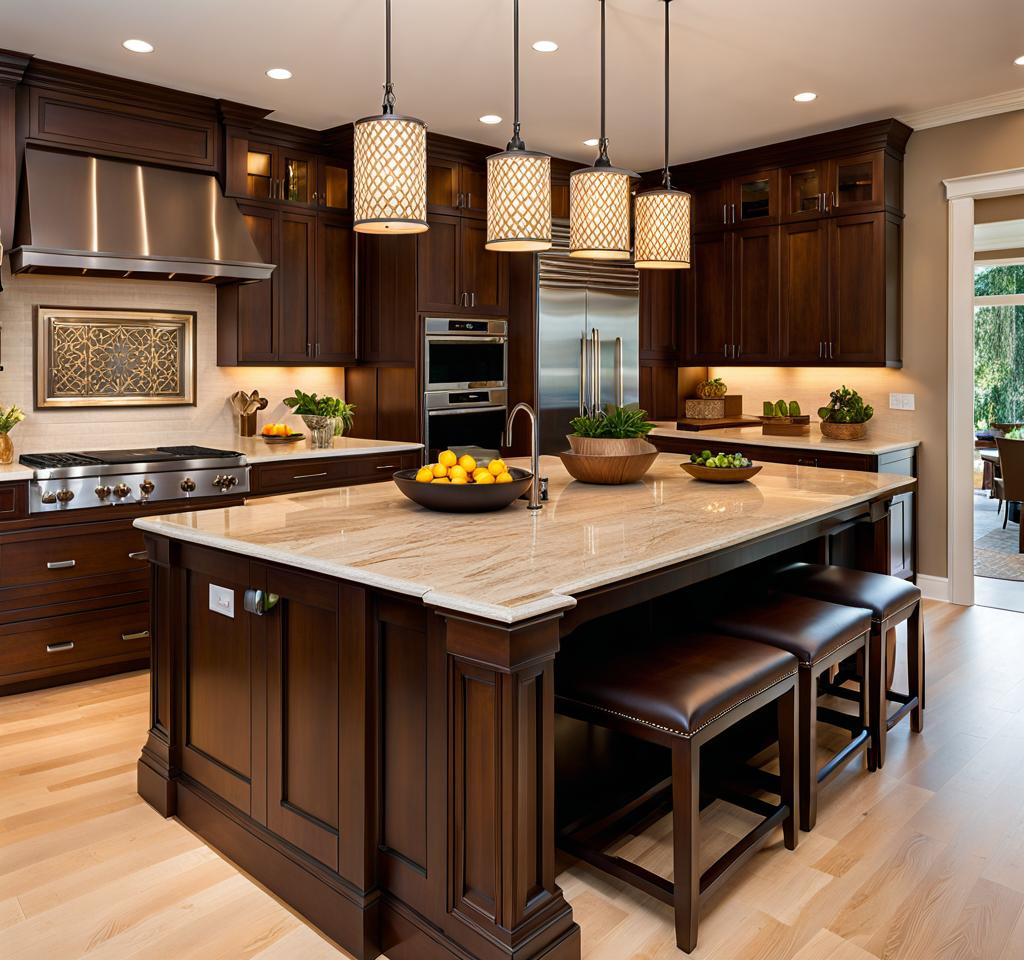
x=316 y=472
x=57 y=556
x=57 y=643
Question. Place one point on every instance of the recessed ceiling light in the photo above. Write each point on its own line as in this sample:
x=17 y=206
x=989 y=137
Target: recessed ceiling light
x=805 y=97
x=545 y=46
x=490 y=118
x=1019 y=61
x=592 y=142
x=279 y=73
x=138 y=46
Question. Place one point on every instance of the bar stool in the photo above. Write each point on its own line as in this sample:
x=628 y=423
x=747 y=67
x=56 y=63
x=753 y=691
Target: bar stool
x=891 y=601
x=679 y=692
x=820 y=635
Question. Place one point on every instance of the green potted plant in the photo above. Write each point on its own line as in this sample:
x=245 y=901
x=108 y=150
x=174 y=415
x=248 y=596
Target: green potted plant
x=846 y=415
x=326 y=417
x=9 y=418
x=616 y=431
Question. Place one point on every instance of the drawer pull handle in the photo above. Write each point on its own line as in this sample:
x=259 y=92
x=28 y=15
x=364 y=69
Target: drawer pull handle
x=388 y=466
x=141 y=635
x=309 y=476
x=138 y=555
x=60 y=564
x=60 y=647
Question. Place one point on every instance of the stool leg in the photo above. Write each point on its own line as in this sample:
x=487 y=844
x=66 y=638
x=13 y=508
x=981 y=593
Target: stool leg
x=808 y=746
x=865 y=712
x=915 y=667
x=789 y=735
x=877 y=674
x=686 y=841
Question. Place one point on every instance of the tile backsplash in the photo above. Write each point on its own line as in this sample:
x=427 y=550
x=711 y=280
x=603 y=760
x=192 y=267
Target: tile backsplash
x=80 y=429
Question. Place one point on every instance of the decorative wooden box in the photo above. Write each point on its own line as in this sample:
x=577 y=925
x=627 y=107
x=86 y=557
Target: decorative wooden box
x=731 y=405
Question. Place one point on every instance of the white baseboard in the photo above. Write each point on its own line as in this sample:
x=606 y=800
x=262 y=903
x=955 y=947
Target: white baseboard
x=933 y=588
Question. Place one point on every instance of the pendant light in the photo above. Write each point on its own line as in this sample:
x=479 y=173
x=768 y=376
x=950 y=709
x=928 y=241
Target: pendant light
x=663 y=216
x=518 y=186
x=599 y=197
x=390 y=168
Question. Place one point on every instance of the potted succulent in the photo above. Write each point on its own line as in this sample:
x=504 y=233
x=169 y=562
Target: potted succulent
x=712 y=389
x=326 y=417
x=9 y=418
x=846 y=416
x=617 y=431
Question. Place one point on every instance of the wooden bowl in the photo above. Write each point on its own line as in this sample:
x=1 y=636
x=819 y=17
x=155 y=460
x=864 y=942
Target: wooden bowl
x=291 y=438
x=463 y=497
x=610 y=470
x=721 y=474
x=608 y=447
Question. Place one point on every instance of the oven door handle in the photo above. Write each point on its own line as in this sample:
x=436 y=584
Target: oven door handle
x=466 y=338
x=449 y=411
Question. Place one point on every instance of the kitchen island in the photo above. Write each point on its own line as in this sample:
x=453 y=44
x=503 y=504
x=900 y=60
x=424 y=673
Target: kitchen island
x=352 y=697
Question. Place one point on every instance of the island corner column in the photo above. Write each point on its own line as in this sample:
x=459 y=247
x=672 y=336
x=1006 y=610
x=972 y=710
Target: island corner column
x=500 y=805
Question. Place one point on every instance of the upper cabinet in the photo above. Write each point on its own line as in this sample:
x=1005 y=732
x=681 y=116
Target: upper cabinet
x=797 y=252
x=455 y=187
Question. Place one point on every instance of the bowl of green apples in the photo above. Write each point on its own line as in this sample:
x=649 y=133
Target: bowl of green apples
x=720 y=467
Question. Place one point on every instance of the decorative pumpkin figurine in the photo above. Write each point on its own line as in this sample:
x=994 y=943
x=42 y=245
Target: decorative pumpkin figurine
x=712 y=389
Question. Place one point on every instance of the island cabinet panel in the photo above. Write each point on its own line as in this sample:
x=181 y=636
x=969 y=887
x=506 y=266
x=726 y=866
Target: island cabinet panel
x=218 y=696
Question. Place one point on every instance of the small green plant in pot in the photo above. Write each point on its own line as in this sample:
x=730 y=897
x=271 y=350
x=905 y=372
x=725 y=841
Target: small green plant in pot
x=846 y=415
x=326 y=417
x=615 y=431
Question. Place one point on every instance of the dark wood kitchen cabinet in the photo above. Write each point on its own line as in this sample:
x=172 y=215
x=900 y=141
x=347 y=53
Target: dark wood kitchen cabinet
x=276 y=172
x=798 y=262
x=388 y=325
x=456 y=188
x=305 y=312
x=456 y=273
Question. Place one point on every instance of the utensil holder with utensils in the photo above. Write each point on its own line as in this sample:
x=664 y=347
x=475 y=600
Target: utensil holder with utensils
x=247 y=405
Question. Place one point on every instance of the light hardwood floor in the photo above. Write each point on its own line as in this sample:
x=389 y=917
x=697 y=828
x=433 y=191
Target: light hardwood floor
x=922 y=861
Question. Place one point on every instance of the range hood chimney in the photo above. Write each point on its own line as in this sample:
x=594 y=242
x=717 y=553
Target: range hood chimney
x=85 y=216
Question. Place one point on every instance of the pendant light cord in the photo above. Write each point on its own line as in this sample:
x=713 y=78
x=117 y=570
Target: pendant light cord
x=516 y=143
x=388 y=106
x=666 y=176
x=602 y=156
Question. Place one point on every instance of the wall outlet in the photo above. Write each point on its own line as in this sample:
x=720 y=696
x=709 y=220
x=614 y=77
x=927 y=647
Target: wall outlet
x=901 y=401
x=222 y=600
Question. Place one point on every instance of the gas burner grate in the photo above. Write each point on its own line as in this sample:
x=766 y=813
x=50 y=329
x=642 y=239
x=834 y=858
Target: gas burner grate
x=193 y=453
x=54 y=461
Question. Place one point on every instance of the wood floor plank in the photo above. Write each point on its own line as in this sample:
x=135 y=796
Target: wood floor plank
x=923 y=860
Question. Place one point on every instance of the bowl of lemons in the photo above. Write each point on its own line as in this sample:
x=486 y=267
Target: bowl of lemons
x=457 y=484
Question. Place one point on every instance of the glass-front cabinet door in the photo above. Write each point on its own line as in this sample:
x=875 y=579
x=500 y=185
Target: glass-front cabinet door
x=297 y=180
x=755 y=198
x=332 y=185
x=803 y=189
x=259 y=172
x=856 y=184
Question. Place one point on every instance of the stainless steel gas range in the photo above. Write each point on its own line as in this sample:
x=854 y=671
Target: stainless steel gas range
x=109 y=478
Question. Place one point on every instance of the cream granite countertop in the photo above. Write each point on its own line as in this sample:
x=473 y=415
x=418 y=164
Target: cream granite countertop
x=255 y=450
x=872 y=445
x=514 y=564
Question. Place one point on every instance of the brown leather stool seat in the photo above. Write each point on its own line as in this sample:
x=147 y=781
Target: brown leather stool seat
x=679 y=692
x=891 y=601
x=820 y=635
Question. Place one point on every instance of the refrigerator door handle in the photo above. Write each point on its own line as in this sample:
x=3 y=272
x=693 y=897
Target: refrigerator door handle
x=595 y=361
x=619 y=391
x=584 y=358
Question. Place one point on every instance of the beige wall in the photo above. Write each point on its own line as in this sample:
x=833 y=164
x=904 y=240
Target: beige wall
x=956 y=150
x=212 y=416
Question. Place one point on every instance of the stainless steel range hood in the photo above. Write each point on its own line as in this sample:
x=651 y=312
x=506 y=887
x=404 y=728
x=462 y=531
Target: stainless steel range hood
x=86 y=216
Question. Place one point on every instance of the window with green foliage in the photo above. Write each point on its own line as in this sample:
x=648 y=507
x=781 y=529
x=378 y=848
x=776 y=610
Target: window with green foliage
x=999 y=344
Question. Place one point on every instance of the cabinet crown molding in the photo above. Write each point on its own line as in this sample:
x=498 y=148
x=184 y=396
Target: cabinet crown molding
x=12 y=67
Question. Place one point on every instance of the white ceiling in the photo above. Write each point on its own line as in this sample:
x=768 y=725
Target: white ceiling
x=736 y=63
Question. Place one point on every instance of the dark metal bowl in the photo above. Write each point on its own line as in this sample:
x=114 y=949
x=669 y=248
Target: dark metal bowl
x=463 y=497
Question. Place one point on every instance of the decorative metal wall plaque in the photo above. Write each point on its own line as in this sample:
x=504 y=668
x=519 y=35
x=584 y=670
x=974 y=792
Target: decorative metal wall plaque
x=114 y=358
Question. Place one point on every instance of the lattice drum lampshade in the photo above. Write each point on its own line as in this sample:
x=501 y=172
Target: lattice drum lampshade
x=599 y=213
x=390 y=175
x=662 y=238
x=518 y=201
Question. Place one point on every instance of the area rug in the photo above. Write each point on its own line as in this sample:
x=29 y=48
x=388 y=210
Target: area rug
x=996 y=554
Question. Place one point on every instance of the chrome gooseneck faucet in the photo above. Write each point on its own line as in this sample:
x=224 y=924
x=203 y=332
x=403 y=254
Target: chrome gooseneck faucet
x=535 y=503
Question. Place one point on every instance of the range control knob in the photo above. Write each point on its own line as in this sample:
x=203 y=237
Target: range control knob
x=224 y=482
x=65 y=496
x=122 y=490
x=188 y=485
x=48 y=497
x=102 y=491
x=147 y=487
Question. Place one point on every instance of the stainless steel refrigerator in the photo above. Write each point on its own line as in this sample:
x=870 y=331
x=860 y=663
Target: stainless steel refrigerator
x=588 y=348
